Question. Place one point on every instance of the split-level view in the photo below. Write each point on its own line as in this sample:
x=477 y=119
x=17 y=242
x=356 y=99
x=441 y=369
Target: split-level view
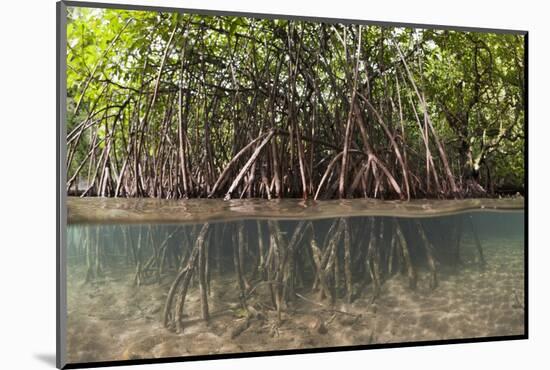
x=239 y=184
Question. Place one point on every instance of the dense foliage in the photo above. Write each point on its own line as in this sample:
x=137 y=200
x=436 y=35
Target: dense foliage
x=177 y=105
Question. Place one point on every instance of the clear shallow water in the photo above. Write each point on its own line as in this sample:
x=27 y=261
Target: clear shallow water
x=161 y=290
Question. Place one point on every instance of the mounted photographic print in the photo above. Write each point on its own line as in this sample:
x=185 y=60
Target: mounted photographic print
x=236 y=184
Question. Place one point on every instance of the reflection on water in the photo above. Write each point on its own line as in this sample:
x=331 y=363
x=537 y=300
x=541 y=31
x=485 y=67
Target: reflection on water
x=161 y=290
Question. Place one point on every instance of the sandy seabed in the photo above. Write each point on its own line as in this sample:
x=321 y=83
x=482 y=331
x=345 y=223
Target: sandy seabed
x=114 y=320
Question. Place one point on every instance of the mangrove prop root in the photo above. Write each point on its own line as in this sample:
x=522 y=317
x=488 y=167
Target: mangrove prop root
x=373 y=258
x=182 y=282
x=331 y=261
x=288 y=261
x=320 y=273
x=347 y=261
x=428 y=247
x=261 y=251
x=238 y=271
x=202 y=281
x=242 y=255
x=280 y=254
x=411 y=272
x=207 y=269
x=392 y=251
x=479 y=248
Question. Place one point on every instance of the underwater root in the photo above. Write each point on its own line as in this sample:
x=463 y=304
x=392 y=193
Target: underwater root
x=178 y=290
x=314 y=266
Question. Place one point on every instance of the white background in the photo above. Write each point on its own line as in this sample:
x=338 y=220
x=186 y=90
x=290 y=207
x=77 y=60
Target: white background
x=27 y=182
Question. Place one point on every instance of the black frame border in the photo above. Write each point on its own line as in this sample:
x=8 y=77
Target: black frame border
x=61 y=196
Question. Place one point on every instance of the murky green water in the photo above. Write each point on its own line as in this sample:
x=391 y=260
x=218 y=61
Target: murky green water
x=145 y=290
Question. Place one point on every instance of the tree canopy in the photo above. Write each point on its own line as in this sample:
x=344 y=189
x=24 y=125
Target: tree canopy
x=185 y=105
